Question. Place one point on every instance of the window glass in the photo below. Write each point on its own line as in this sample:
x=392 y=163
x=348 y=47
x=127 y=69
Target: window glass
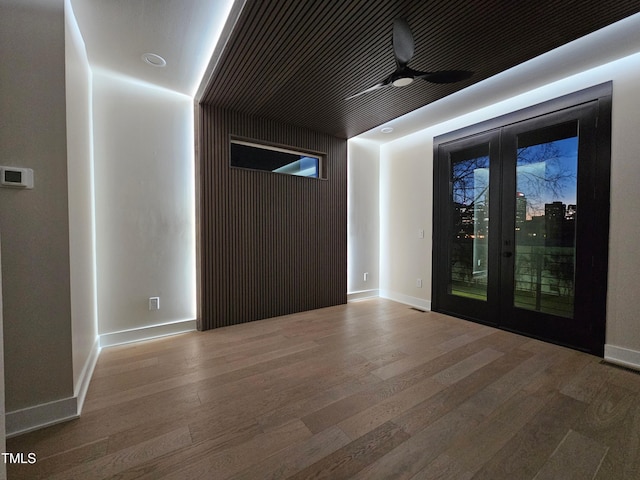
x=270 y=158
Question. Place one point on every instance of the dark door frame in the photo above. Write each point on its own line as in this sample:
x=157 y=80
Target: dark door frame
x=597 y=173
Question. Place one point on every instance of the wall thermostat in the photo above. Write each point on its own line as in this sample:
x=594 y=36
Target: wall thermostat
x=15 y=177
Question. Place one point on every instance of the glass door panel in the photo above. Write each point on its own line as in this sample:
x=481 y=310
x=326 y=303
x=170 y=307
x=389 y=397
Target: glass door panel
x=466 y=231
x=469 y=209
x=548 y=165
x=545 y=219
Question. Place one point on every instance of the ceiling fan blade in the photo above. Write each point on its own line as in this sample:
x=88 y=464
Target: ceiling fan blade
x=370 y=89
x=403 y=49
x=402 y=40
x=443 y=76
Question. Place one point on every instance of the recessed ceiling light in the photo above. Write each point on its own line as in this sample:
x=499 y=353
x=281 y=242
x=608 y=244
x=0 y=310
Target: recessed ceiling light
x=386 y=129
x=154 y=60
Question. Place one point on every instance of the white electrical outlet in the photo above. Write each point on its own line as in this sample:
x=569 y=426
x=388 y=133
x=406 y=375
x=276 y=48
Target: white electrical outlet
x=419 y=283
x=421 y=233
x=154 y=303
x=366 y=276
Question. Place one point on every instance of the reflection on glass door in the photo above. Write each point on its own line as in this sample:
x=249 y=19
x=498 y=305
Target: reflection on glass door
x=545 y=220
x=469 y=208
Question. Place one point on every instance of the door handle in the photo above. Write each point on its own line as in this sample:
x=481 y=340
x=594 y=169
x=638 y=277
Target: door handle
x=507 y=254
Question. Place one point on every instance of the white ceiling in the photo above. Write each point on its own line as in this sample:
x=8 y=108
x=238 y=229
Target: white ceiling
x=118 y=32
x=184 y=32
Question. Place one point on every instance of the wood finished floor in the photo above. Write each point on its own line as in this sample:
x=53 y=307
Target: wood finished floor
x=368 y=390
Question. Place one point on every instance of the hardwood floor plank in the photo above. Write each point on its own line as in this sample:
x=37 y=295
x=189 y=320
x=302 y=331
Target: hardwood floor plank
x=586 y=384
x=464 y=457
x=463 y=338
x=233 y=460
x=525 y=453
x=347 y=407
x=369 y=418
x=566 y=364
x=443 y=468
x=127 y=367
x=313 y=403
x=466 y=367
x=367 y=390
x=222 y=373
x=47 y=466
x=622 y=376
x=607 y=411
x=380 y=357
x=164 y=347
x=221 y=431
x=423 y=414
x=614 y=409
x=352 y=458
x=297 y=457
x=259 y=401
x=443 y=342
x=114 y=464
x=622 y=460
x=517 y=379
x=422 y=448
x=94 y=426
x=576 y=458
x=176 y=460
x=241 y=349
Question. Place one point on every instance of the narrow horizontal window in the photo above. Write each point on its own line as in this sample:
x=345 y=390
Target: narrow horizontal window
x=257 y=156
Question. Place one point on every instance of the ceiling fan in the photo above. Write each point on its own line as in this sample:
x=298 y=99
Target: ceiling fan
x=403 y=48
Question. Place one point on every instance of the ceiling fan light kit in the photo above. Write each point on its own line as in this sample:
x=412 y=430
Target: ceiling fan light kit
x=403 y=49
x=402 y=81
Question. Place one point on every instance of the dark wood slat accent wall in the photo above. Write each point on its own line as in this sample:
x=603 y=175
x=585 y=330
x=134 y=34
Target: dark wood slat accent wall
x=296 y=62
x=269 y=244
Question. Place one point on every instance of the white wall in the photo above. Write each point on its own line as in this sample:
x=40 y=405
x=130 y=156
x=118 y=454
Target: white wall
x=623 y=328
x=70 y=127
x=406 y=196
x=406 y=192
x=35 y=223
x=3 y=442
x=145 y=220
x=363 y=210
x=84 y=322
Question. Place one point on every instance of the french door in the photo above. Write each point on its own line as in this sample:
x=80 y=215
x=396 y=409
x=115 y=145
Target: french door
x=520 y=238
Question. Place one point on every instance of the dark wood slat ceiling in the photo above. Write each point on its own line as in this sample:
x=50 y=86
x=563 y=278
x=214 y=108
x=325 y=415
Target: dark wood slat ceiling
x=296 y=61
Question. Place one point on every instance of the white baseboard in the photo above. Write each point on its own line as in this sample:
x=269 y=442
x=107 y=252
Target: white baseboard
x=622 y=356
x=47 y=414
x=146 y=333
x=415 y=302
x=85 y=376
x=362 y=294
x=40 y=416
